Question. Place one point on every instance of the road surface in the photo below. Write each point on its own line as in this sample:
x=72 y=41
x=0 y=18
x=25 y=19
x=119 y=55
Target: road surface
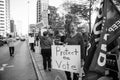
x=19 y=67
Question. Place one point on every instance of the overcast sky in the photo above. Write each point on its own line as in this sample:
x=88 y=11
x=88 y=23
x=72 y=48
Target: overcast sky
x=23 y=13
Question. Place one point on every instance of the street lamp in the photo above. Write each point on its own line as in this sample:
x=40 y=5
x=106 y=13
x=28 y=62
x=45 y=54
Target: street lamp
x=28 y=15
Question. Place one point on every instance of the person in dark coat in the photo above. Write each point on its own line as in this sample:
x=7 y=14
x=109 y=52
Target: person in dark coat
x=37 y=40
x=45 y=43
x=75 y=38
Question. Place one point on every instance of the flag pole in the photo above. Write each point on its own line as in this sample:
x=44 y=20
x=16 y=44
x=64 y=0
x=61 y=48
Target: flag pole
x=90 y=16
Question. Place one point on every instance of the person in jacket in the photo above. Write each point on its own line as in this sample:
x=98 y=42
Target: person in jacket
x=10 y=42
x=75 y=38
x=45 y=43
x=31 y=42
x=37 y=40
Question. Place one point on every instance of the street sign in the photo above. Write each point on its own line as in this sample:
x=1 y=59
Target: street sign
x=40 y=24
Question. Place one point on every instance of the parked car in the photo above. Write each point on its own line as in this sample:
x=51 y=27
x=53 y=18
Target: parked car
x=22 y=38
x=17 y=38
x=5 y=41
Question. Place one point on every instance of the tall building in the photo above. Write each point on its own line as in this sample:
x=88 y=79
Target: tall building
x=4 y=17
x=12 y=27
x=42 y=12
x=7 y=16
x=38 y=11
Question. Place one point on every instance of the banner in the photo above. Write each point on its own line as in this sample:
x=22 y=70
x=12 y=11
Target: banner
x=66 y=58
x=95 y=37
x=110 y=30
x=111 y=63
x=110 y=33
x=112 y=22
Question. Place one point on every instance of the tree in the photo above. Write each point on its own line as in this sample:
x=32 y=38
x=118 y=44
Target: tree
x=52 y=15
x=55 y=21
x=75 y=8
x=80 y=9
x=117 y=3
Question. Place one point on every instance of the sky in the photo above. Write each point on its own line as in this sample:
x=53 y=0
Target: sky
x=24 y=13
x=21 y=12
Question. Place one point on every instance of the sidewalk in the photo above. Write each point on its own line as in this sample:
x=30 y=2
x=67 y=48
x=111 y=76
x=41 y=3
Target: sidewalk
x=48 y=75
x=41 y=74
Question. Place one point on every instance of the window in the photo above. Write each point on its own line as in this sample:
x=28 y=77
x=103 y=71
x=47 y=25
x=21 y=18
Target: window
x=1 y=4
x=1 y=14
x=1 y=23
x=1 y=8
x=2 y=17
x=2 y=27
x=2 y=1
x=1 y=11
x=2 y=30
x=1 y=20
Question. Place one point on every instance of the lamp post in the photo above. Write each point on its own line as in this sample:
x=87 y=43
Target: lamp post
x=28 y=15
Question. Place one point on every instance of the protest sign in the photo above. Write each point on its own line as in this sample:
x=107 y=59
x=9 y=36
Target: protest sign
x=66 y=58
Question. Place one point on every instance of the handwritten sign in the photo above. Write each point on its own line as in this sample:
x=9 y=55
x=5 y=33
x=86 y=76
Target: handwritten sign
x=66 y=58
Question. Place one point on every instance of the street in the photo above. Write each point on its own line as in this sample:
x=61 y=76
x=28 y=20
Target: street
x=19 y=67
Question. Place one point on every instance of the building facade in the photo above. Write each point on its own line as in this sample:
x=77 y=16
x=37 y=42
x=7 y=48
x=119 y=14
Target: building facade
x=42 y=13
x=39 y=16
x=12 y=28
x=4 y=17
x=7 y=16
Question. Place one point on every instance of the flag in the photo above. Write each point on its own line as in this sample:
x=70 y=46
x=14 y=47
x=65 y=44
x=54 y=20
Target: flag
x=110 y=30
x=95 y=36
x=113 y=34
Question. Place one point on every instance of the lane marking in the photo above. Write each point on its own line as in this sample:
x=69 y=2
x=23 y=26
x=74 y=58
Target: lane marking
x=2 y=69
x=5 y=66
x=58 y=78
x=10 y=66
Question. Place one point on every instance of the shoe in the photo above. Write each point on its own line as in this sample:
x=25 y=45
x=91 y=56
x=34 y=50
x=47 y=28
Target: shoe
x=12 y=55
x=49 y=69
x=45 y=69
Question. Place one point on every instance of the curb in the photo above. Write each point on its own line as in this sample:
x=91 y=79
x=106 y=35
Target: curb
x=39 y=77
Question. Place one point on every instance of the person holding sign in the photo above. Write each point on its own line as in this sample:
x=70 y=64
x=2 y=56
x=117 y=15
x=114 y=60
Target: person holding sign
x=45 y=44
x=75 y=38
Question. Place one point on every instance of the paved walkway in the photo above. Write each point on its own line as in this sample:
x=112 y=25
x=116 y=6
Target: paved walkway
x=45 y=75
x=53 y=75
